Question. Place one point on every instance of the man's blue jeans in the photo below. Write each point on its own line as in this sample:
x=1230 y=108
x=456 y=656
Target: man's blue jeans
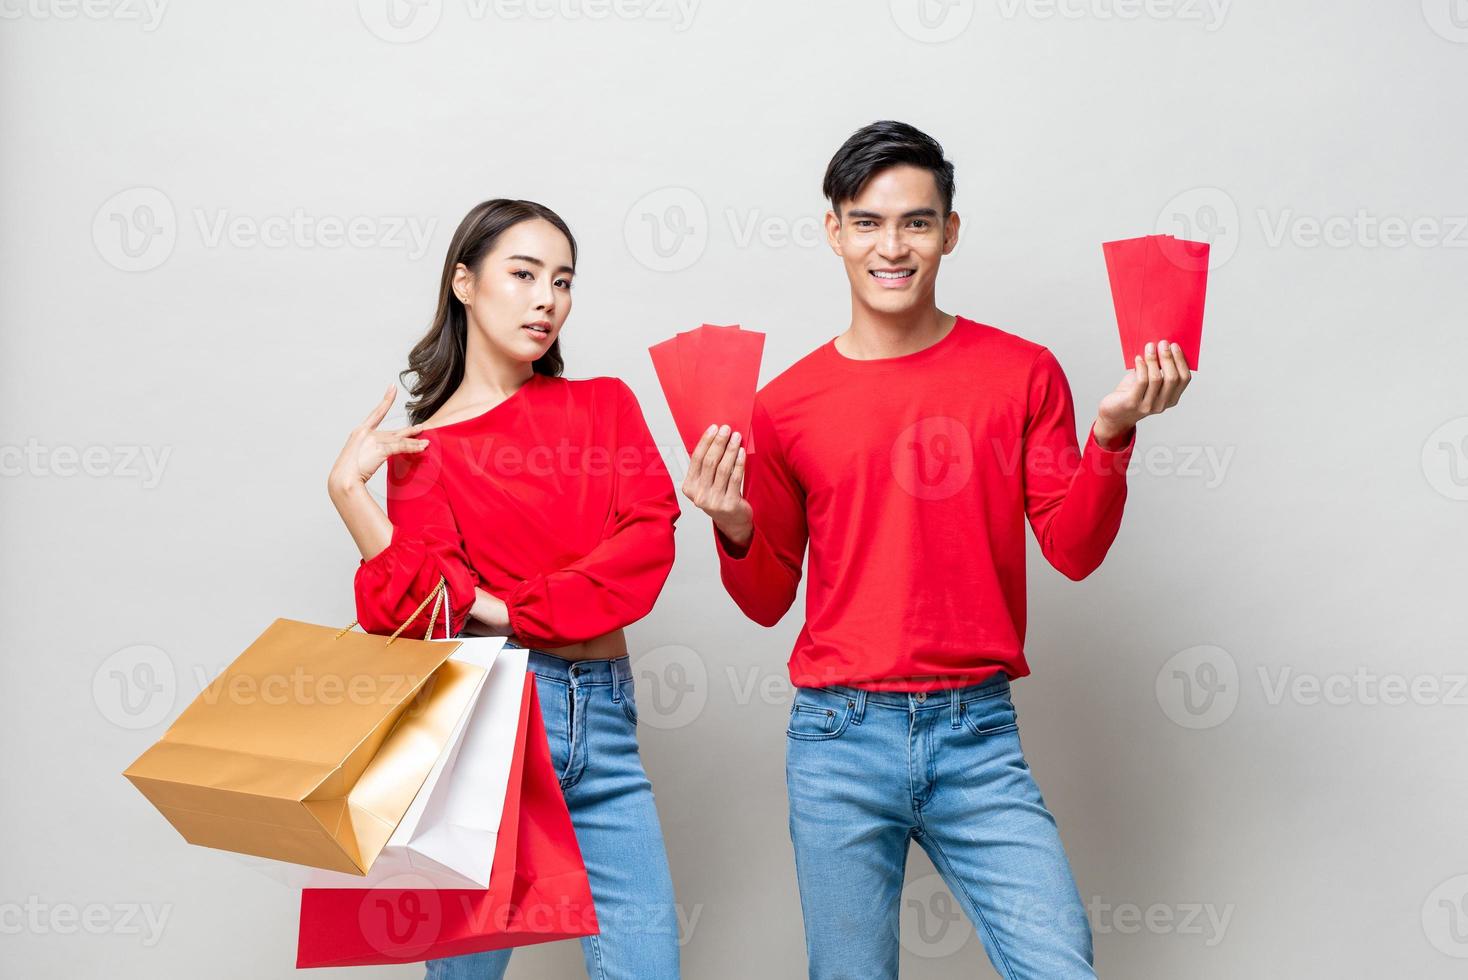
x=591 y=722
x=867 y=771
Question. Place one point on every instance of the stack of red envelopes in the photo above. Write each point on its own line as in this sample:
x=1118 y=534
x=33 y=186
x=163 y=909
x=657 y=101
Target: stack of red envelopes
x=1157 y=284
x=709 y=376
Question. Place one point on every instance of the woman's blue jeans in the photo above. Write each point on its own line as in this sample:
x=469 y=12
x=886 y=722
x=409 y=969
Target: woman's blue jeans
x=591 y=721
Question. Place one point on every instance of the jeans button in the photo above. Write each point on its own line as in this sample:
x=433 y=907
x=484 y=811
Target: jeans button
x=921 y=696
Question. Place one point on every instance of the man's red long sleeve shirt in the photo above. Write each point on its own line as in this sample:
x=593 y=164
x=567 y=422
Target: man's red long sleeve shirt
x=911 y=478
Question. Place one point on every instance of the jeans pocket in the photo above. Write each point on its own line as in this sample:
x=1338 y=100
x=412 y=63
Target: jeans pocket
x=629 y=701
x=991 y=715
x=819 y=714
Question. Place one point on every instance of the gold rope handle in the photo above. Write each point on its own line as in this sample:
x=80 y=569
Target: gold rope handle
x=439 y=595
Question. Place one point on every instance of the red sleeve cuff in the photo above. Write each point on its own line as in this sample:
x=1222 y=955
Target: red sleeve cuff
x=1113 y=458
x=513 y=601
x=727 y=548
x=397 y=539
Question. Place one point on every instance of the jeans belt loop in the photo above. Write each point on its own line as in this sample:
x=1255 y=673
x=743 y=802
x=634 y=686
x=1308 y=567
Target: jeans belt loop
x=616 y=682
x=954 y=705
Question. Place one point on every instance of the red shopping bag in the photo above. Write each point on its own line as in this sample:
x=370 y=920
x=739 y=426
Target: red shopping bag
x=537 y=892
x=1158 y=284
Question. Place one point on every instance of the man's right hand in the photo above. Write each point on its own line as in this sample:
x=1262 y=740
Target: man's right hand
x=715 y=483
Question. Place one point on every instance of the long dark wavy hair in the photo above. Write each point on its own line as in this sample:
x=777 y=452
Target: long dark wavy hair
x=437 y=361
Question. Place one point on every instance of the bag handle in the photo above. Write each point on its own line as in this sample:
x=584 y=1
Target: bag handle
x=440 y=597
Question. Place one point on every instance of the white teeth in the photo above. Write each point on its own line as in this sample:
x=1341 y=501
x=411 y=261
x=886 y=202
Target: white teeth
x=891 y=275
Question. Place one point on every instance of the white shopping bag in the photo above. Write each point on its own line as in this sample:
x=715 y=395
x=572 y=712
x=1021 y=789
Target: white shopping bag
x=447 y=837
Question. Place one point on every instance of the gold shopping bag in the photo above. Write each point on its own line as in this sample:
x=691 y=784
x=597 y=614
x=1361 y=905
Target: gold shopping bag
x=311 y=745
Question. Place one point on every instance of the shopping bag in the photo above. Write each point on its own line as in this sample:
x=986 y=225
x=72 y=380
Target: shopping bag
x=448 y=834
x=709 y=376
x=312 y=744
x=538 y=890
x=1158 y=287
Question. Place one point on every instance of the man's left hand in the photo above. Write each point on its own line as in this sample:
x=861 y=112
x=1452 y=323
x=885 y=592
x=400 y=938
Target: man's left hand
x=1152 y=387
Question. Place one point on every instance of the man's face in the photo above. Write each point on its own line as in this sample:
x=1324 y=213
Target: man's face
x=891 y=238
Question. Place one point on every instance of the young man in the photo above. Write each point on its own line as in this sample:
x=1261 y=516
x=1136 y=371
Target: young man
x=908 y=452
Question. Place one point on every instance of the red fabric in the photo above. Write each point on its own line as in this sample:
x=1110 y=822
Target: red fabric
x=556 y=500
x=538 y=890
x=911 y=478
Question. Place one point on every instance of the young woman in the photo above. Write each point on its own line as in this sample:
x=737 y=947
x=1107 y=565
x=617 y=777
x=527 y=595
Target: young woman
x=548 y=511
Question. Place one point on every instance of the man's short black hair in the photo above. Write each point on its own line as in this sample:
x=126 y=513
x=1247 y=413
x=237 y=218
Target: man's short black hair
x=881 y=145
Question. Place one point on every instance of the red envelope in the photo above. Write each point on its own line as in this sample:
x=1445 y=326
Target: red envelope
x=1158 y=285
x=687 y=345
x=670 y=378
x=709 y=376
x=538 y=890
x=725 y=378
x=1126 y=261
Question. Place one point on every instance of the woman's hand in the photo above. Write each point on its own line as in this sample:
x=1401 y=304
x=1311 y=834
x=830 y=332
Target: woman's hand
x=489 y=616
x=367 y=448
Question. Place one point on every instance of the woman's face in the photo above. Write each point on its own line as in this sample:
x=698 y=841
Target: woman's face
x=521 y=293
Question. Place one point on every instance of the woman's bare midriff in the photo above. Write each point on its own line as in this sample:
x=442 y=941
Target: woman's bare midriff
x=608 y=646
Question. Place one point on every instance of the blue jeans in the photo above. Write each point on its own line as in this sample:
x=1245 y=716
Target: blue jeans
x=866 y=772
x=591 y=722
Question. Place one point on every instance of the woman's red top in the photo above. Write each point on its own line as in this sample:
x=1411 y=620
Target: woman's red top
x=556 y=501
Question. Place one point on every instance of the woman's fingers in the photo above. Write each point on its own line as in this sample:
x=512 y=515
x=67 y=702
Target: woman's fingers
x=379 y=412
x=392 y=447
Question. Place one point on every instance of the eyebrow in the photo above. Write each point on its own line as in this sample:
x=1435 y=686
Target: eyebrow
x=536 y=262
x=915 y=213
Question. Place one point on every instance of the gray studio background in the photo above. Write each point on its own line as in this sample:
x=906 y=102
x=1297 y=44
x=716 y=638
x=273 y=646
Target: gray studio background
x=222 y=230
